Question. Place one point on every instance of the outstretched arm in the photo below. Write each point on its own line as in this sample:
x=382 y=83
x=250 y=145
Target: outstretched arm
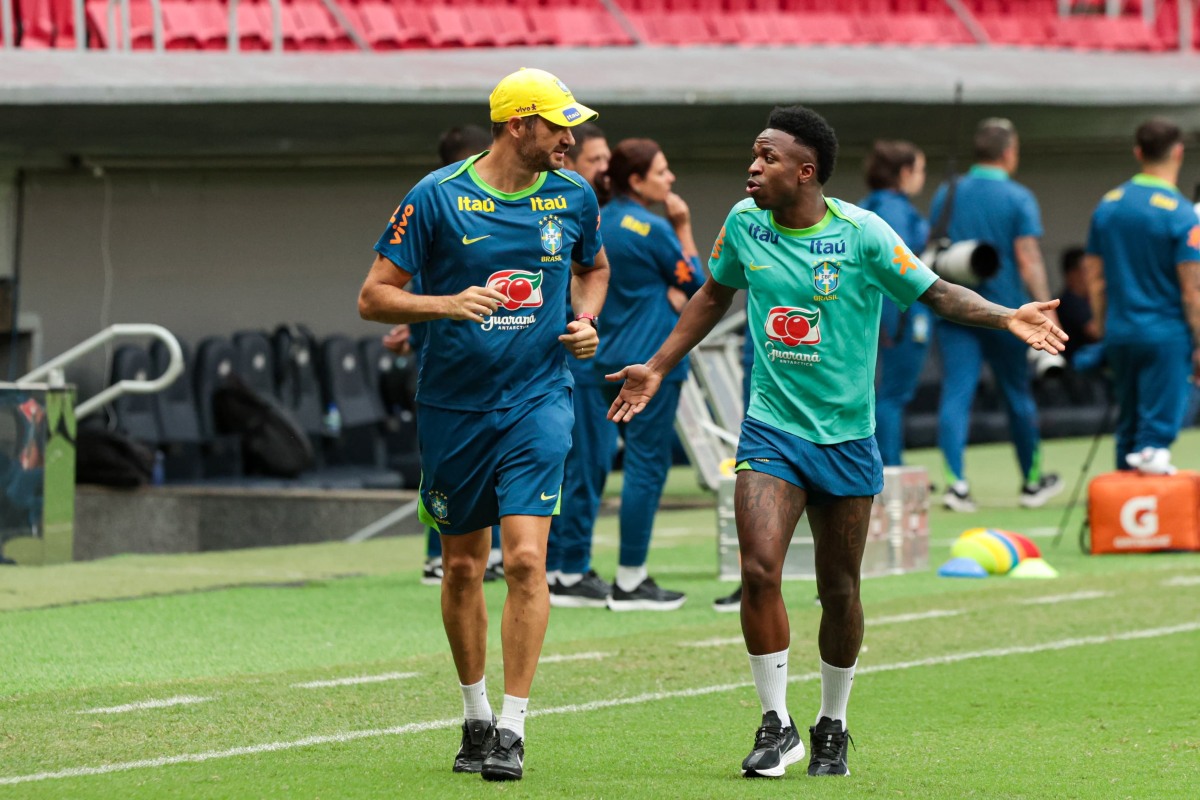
x=1029 y=323
x=699 y=317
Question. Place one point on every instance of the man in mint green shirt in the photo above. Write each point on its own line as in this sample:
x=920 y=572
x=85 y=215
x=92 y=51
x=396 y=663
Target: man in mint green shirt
x=816 y=270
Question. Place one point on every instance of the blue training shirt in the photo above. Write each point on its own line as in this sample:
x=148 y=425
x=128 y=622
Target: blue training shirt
x=455 y=231
x=897 y=210
x=645 y=257
x=1142 y=230
x=990 y=207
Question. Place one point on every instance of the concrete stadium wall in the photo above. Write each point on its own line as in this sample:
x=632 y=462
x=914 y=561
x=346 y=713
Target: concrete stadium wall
x=213 y=251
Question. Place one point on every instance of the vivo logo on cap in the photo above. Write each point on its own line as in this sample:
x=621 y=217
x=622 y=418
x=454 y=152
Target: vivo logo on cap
x=571 y=114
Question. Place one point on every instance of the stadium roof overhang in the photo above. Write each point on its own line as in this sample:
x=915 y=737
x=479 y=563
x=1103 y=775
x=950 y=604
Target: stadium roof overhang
x=141 y=104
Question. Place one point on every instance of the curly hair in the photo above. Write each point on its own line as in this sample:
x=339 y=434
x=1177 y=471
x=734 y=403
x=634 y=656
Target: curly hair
x=810 y=129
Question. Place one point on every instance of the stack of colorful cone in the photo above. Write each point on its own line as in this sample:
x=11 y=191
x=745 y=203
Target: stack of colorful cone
x=995 y=552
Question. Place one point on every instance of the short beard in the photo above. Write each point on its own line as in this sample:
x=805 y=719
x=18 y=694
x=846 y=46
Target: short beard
x=533 y=158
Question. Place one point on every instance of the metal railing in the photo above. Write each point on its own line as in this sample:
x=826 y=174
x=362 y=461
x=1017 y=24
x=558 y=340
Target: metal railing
x=174 y=366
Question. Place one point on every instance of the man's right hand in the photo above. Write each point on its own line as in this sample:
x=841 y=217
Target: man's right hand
x=475 y=303
x=641 y=384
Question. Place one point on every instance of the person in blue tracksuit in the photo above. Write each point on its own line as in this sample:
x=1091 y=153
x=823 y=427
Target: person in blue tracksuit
x=649 y=255
x=573 y=582
x=990 y=207
x=1143 y=269
x=895 y=172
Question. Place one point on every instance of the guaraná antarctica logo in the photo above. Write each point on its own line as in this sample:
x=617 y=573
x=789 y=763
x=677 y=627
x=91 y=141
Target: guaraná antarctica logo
x=521 y=289
x=793 y=326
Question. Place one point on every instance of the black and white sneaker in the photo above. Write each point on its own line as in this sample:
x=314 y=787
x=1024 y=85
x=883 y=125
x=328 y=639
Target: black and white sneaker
x=506 y=761
x=590 y=591
x=432 y=576
x=828 y=742
x=648 y=596
x=775 y=747
x=731 y=603
x=478 y=738
x=958 y=497
x=1035 y=495
x=494 y=572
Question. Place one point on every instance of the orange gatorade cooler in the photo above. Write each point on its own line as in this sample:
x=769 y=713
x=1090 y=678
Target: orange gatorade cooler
x=1134 y=513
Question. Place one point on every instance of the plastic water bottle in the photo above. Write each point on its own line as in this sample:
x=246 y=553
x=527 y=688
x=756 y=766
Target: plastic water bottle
x=158 y=475
x=333 y=421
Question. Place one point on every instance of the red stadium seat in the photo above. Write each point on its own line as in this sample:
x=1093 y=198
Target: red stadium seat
x=663 y=28
x=581 y=27
x=450 y=26
x=35 y=24
x=384 y=30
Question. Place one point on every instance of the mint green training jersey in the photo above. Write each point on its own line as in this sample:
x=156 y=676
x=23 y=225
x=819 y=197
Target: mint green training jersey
x=814 y=297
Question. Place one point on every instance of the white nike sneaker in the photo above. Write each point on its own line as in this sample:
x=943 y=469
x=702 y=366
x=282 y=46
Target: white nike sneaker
x=1151 y=461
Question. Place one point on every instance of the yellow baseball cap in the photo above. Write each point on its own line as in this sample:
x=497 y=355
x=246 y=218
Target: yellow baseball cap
x=535 y=91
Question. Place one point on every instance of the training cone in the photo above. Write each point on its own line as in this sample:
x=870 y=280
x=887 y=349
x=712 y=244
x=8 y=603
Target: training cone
x=962 y=567
x=1033 y=568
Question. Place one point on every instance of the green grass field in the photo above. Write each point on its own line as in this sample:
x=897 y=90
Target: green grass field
x=1081 y=687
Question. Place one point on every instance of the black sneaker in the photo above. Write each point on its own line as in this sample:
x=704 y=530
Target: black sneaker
x=646 y=597
x=828 y=743
x=432 y=576
x=1035 y=495
x=478 y=737
x=775 y=747
x=494 y=572
x=731 y=603
x=506 y=761
x=958 y=498
x=590 y=591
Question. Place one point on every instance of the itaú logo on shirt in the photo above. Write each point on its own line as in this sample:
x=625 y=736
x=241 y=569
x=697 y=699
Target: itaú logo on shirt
x=793 y=326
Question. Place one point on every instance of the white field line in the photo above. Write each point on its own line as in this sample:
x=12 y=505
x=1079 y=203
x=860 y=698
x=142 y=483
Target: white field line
x=934 y=614
x=572 y=657
x=1064 y=598
x=1182 y=580
x=721 y=641
x=182 y=700
x=387 y=676
x=595 y=705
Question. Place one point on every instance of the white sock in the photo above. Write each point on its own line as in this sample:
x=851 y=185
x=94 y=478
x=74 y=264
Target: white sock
x=770 y=679
x=512 y=715
x=475 y=702
x=436 y=561
x=569 y=578
x=552 y=576
x=629 y=578
x=836 y=683
x=495 y=556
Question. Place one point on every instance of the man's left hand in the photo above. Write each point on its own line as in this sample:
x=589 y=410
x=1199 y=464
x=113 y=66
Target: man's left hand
x=1033 y=325
x=581 y=339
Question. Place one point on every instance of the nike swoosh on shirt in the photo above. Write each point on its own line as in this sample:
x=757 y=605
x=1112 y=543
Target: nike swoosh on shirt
x=476 y=239
x=551 y=497
x=757 y=267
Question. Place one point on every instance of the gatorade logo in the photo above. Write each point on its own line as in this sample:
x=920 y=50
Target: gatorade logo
x=1139 y=516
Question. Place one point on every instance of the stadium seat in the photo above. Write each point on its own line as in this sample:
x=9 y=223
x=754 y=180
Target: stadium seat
x=581 y=27
x=394 y=378
x=255 y=362
x=35 y=24
x=178 y=422
x=385 y=30
x=134 y=413
x=215 y=366
x=665 y=28
x=359 y=440
x=295 y=350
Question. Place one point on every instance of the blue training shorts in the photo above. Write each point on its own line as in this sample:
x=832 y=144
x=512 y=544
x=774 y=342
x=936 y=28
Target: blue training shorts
x=825 y=471
x=478 y=466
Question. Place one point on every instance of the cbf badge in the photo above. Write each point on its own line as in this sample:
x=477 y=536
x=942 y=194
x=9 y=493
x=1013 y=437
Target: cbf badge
x=826 y=276
x=439 y=507
x=551 y=234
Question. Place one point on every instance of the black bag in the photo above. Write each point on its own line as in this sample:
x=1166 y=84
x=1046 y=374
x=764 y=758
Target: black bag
x=110 y=458
x=272 y=441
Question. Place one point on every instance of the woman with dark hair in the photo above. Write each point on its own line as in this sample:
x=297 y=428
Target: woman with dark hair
x=649 y=256
x=895 y=172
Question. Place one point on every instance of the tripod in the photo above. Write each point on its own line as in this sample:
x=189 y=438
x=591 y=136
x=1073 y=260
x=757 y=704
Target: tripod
x=1105 y=421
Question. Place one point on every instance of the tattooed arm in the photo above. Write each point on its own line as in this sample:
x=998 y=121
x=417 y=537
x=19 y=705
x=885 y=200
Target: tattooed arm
x=1029 y=323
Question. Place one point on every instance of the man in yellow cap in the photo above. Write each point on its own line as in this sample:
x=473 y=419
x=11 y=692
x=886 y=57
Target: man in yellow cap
x=500 y=240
